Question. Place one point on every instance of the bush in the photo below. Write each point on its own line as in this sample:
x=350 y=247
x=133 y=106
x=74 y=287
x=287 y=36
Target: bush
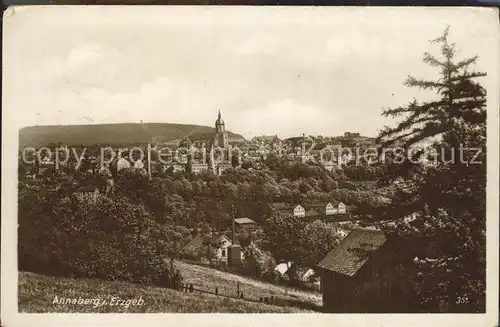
x=259 y=263
x=109 y=239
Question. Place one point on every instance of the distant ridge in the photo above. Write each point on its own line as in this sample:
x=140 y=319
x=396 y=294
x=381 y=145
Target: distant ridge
x=111 y=134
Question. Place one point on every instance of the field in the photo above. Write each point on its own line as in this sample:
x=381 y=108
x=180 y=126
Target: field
x=37 y=294
x=208 y=279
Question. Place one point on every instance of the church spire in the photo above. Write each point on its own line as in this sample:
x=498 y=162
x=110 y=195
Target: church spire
x=219 y=114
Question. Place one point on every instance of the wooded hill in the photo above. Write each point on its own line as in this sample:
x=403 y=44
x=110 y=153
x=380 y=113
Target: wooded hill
x=112 y=134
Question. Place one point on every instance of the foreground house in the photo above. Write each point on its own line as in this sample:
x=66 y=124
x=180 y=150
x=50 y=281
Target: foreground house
x=220 y=253
x=362 y=275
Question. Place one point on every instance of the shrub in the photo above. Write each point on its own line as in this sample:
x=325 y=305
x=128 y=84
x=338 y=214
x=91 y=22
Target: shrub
x=105 y=238
x=259 y=263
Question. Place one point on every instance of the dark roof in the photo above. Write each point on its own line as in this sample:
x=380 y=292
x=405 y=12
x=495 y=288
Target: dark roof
x=345 y=259
x=242 y=221
x=197 y=241
x=335 y=202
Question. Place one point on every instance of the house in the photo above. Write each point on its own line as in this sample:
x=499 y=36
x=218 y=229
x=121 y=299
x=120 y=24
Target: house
x=324 y=209
x=123 y=163
x=197 y=168
x=266 y=139
x=299 y=211
x=336 y=207
x=139 y=164
x=320 y=209
x=220 y=253
x=221 y=167
x=176 y=167
x=243 y=222
x=88 y=193
x=330 y=165
x=304 y=275
x=361 y=275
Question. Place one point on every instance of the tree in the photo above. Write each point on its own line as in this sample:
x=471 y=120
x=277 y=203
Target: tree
x=291 y=240
x=453 y=222
x=132 y=184
x=105 y=238
x=282 y=235
x=317 y=239
x=235 y=161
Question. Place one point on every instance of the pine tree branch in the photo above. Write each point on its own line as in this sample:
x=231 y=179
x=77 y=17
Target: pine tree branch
x=432 y=61
x=425 y=85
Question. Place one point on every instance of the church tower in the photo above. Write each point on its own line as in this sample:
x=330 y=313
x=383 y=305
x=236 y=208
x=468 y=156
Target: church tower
x=220 y=138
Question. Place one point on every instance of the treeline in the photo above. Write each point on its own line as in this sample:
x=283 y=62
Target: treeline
x=62 y=233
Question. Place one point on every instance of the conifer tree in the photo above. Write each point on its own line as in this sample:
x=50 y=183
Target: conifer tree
x=449 y=195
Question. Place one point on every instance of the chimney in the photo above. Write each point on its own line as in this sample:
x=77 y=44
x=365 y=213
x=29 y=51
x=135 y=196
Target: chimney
x=234 y=239
x=234 y=250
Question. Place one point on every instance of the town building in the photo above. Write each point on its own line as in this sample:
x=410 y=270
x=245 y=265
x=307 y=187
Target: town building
x=122 y=164
x=299 y=211
x=197 y=168
x=87 y=193
x=185 y=143
x=330 y=165
x=220 y=255
x=223 y=166
x=176 y=167
x=320 y=209
x=46 y=164
x=358 y=275
x=266 y=139
x=243 y=222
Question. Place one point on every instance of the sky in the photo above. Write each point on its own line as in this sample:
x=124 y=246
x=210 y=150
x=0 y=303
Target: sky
x=285 y=71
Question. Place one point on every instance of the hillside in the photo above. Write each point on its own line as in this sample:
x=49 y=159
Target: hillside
x=208 y=279
x=113 y=134
x=37 y=294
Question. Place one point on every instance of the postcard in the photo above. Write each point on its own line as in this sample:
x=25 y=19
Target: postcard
x=320 y=166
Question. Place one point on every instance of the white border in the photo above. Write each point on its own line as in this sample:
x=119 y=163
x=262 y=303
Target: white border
x=10 y=317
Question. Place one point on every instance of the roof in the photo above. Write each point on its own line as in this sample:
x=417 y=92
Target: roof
x=244 y=221
x=335 y=202
x=345 y=259
x=197 y=241
x=266 y=138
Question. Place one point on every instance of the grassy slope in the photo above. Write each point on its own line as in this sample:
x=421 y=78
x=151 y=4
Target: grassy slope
x=37 y=293
x=208 y=279
x=129 y=133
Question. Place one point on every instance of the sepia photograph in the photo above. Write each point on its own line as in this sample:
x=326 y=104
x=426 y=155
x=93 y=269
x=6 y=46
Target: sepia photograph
x=307 y=161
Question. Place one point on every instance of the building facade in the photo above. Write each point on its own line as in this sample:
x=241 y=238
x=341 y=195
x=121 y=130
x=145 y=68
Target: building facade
x=299 y=211
x=223 y=166
x=197 y=168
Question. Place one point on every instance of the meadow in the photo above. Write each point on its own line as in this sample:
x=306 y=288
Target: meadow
x=37 y=294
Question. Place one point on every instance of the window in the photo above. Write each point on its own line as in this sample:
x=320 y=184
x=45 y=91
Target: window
x=223 y=252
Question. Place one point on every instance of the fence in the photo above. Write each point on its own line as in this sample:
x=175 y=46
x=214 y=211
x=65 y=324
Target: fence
x=266 y=299
x=297 y=285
